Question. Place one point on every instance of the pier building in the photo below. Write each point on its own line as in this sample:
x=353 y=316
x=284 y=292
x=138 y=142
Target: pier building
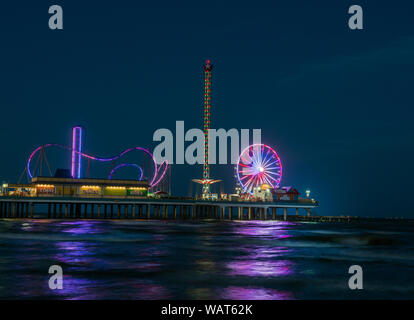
x=82 y=188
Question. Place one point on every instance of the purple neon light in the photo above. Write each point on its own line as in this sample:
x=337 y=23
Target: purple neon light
x=126 y=165
x=72 y=170
x=156 y=168
x=165 y=163
x=258 y=164
x=76 y=152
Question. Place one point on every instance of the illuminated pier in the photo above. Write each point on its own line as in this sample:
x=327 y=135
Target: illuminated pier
x=189 y=209
x=71 y=194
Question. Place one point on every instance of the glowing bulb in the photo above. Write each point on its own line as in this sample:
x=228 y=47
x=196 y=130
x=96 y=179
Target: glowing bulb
x=261 y=169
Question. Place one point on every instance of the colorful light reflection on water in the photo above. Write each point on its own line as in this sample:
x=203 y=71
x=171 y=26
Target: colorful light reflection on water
x=205 y=260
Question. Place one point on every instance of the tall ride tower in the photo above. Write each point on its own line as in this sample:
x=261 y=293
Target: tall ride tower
x=208 y=67
x=206 y=181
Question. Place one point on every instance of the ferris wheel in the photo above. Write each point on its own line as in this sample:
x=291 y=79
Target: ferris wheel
x=258 y=164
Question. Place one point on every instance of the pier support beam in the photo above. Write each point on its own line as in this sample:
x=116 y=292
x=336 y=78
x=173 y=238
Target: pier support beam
x=17 y=210
x=78 y=210
x=285 y=214
x=222 y=213
x=7 y=210
x=133 y=211
x=126 y=211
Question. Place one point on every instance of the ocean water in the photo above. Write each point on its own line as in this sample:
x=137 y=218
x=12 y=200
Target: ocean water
x=122 y=259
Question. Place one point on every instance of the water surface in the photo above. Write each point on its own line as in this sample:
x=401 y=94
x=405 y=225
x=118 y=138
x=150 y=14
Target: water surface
x=121 y=259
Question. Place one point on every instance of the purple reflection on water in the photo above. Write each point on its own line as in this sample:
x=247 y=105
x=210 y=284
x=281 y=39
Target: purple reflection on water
x=240 y=293
x=76 y=254
x=265 y=252
x=142 y=290
x=75 y=288
x=263 y=258
x=81 y=227
x=259 y=268
x=273 y=229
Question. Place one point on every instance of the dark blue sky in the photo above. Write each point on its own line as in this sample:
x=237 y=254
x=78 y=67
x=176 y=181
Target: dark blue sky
x=336 y=104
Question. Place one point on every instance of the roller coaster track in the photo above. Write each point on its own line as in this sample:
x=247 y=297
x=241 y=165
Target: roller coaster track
x=159 y=170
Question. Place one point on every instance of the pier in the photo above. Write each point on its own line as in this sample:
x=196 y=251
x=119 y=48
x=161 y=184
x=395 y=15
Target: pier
x=160 y=209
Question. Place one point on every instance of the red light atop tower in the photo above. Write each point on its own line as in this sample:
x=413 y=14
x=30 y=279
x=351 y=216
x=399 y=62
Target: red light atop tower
x=208 y=66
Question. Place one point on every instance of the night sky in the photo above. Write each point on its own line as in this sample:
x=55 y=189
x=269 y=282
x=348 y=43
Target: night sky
x=336 y=104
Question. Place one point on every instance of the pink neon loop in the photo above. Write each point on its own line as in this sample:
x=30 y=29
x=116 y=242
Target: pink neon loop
x=126 y=165
x=156 y=168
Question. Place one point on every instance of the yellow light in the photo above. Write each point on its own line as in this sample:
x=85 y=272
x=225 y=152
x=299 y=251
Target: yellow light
x=46 y=185
x=90 y=187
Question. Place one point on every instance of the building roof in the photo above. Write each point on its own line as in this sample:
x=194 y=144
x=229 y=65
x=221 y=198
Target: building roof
x=101 y=182
x=286 y=190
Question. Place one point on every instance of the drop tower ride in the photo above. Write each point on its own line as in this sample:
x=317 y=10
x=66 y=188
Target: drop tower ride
x=206 y=181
